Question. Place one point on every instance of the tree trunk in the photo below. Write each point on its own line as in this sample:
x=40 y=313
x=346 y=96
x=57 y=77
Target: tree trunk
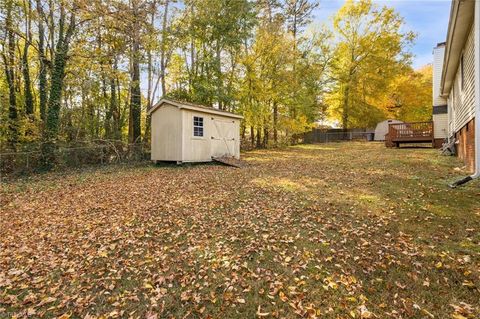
x=9 y=62
x=275 y=123
x=218 y=71
x=345 y=111
x=252 y=136
x=265 y=137
x=135 y=95
x=259 y=137
x=58 y=74
x=42 y=73
x=29 y=107
x=163 y=60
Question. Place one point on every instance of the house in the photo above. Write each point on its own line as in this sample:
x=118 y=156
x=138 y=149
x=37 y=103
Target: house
x=439 y=112
x=460 y=81
x=382 y=129
x=186 y=132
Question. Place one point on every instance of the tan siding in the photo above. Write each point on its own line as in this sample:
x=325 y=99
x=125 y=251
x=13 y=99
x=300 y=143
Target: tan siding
x=196 y=149
x=173 y=139
x=213 y=142
x=166 y=134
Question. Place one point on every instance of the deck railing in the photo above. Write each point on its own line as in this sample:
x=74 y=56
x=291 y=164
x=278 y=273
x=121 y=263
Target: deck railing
x=416 y=132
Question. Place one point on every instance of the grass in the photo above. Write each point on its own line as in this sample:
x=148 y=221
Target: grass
x=340 y=230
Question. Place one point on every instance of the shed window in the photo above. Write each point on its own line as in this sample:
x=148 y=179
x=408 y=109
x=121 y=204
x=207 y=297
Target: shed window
x=198 y=126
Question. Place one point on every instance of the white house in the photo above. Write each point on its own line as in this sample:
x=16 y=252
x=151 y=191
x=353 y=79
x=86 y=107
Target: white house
x=460 y=81
x=440 y=116
x=186 y=132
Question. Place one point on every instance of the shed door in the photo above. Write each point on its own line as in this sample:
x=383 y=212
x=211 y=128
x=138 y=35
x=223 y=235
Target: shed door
x=223 y=137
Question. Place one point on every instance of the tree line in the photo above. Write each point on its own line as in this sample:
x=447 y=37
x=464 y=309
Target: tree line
x=89 y=69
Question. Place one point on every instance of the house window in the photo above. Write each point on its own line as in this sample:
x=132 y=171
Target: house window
x=462 y=78
x=198 y=126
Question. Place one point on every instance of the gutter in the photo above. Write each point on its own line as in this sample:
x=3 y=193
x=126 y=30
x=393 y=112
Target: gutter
x=448 y=47
x=477 y=102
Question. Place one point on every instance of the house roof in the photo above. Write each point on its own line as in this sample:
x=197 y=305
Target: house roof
x=193 y=107
x=461 y=19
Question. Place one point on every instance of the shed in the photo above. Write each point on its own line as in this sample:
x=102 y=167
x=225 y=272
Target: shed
x=186 y=132
x=382 y=129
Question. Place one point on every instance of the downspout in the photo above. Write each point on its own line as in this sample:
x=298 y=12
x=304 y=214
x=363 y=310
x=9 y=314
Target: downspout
x=477 y=101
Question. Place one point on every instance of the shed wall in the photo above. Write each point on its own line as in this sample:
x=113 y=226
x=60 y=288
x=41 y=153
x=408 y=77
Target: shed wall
x=166 y=135
x=216 y=138
x=194 y=148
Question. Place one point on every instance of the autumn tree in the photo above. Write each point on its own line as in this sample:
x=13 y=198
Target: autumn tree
x=371 y=50
x=9 y=62
x=410 y=96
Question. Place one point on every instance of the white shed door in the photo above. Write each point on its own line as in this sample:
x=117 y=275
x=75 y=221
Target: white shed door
x=223 y=137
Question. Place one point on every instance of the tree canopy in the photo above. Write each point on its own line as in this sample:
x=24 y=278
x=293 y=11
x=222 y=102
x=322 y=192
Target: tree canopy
x=83 y=70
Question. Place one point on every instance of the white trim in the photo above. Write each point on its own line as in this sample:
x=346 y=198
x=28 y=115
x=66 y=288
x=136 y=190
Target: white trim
x=477 y=89
x=202 y=109
x=192 y=120
x=459 y=25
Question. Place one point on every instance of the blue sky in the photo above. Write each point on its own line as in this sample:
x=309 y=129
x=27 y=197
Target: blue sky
x=428 y=18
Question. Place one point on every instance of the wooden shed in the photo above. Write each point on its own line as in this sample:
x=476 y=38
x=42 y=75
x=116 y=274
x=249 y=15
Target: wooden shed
x=186 y=132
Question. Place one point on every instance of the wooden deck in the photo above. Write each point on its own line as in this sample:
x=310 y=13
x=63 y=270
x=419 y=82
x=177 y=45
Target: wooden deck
x=415 y=132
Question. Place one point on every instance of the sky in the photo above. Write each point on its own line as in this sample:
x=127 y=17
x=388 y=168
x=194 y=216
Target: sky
x=428 y=18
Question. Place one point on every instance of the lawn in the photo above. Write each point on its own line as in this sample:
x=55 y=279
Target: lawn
x=341 y=230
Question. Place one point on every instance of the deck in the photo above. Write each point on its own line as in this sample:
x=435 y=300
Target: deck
x=415 y=132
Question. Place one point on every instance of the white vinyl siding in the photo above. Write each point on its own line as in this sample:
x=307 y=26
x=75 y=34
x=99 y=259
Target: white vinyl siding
x=462 y=106
x=440 y=125
x=438 y=54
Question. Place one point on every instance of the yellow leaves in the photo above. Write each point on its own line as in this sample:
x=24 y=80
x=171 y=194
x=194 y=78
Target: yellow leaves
x=102 y=253
x=468 y=283
x=329 y=283
x=148 y=286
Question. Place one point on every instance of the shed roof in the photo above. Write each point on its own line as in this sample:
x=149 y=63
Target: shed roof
x=193 y=107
